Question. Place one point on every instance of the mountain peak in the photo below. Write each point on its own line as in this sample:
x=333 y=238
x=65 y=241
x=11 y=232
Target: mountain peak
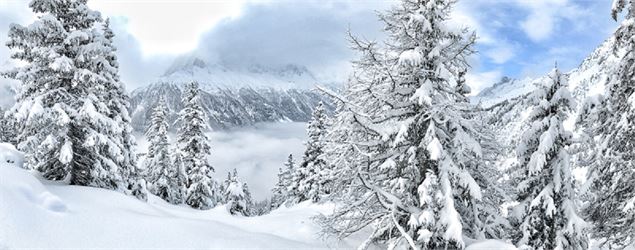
x=185 y=63
x=221 y=75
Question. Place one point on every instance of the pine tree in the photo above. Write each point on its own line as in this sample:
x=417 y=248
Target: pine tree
x=281 y=190
x=408 y=143
x=611 y=207
x=548 y=206
x=162 y=175
x=202 y=189
x=237 y=195
x=309 y=180
x=72 y=106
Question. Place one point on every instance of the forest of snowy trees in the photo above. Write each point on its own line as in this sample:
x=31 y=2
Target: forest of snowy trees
x=405 y=156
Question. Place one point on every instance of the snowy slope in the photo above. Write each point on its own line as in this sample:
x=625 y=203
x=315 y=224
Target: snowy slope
x=506 y=89
x=588 y=79
x=41 y=214
x=506 y=104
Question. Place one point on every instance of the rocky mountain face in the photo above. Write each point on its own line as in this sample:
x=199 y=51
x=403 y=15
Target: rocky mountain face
x=233 y=97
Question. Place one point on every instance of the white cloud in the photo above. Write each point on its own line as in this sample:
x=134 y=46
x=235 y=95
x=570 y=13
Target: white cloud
x=257 y=153
x=545 y=15
x=538 y=25
x=462 y=15
x=166 y=26
x=501 y=52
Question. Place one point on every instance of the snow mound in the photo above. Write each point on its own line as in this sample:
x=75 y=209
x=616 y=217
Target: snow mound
x=42 y=214
x=491 y=245
x=9 y=156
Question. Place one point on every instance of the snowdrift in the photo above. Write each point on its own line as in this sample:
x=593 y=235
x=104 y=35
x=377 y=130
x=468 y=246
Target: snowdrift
x=36 y=213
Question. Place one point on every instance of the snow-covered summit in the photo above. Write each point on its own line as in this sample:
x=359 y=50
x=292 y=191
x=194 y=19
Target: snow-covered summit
x=507 y=88
x=212 y=75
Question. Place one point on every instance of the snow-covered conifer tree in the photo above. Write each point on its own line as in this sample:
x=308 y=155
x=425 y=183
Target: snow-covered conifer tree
x=162 y=175
x=548 y=205
x=309 y=180
x=486 y=220
x=411 y=145
x=202 y=189
x=71 y=104
x=281 y=190
x=157 y=132
x=261 y=207
x=611 y=208
x=7 y=127
x=237 y=195
x=180 y=175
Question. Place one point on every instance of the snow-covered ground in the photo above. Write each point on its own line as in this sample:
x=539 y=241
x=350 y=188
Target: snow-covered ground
x=35 y=213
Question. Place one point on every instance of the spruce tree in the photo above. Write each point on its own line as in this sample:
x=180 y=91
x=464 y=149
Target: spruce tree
x=409 y=145
x=281 y=190
x=548 y=206
x=202 y=189
x=237 y=195
x=162 y=174
x=179 y=175
x=72 y=106
x=118 y=102
x=309 y=180
x=610 y=120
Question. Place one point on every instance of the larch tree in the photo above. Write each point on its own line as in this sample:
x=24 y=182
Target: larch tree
x=202 y=189
x=547 y=211
x=409 y=143
x=71 y=103
x=611 y=208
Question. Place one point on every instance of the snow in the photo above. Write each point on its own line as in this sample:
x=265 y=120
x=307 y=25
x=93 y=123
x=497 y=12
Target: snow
x=36 y=213
x=411 y=57
x=66 y=153
x=62 y=63
x=9 y=156
x=42 y=214
x=505 y=90
x=435 y=149
x=491 y=245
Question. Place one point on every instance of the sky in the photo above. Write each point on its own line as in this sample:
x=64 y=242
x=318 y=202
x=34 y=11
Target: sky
x=517 y=38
